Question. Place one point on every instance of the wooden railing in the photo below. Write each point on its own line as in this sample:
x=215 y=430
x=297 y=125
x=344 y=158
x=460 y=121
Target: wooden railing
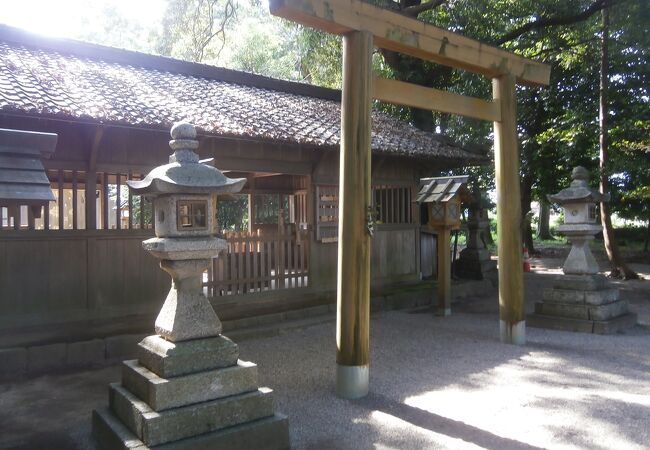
x=257 y=263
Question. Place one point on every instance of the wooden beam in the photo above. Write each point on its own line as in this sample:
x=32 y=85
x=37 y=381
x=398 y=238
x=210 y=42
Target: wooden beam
x=409 y=94
x=353 y=287
x=263 y=165
x=393 y=31
x=506 y=160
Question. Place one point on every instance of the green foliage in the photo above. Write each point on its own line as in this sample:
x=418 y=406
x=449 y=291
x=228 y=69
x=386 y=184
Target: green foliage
x=195 y=30
x=233 y=214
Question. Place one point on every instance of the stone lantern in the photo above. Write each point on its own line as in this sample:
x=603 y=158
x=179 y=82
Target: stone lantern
x=443 y=197
x=474 y=261
x=188 y=389
x=581 y=299
x=23 y=180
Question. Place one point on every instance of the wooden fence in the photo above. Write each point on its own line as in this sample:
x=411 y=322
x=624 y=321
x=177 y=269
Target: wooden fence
x=256 y=263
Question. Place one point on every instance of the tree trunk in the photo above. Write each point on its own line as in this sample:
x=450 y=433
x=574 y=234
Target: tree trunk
x=647 y=238
x=619 y=269
x=544 y=229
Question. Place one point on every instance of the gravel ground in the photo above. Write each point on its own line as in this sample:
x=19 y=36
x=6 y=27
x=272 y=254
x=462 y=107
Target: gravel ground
x=435 y=383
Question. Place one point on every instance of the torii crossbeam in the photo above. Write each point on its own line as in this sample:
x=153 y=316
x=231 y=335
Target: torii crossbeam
x=364 y=26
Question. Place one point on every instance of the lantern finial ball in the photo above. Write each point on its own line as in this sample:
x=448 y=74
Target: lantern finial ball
x=183 y=130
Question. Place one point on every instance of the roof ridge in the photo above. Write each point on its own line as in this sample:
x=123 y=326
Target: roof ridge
x=163 y=63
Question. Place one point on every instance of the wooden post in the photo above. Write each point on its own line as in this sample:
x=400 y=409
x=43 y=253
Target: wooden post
x=443 y=283
x=91 y=200
x=506 y=160
x=251 y=202
x=91 y=181
x=353 y=280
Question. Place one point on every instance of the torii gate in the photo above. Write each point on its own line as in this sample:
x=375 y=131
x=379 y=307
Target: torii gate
x=363 y=26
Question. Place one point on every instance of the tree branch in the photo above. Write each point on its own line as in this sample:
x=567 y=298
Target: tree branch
x=413 y=11
x=558 y=20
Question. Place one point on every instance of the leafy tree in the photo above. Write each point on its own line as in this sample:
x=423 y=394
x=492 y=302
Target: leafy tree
x=195 y=30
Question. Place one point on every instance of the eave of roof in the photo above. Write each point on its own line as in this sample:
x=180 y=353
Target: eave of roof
x=148 y=91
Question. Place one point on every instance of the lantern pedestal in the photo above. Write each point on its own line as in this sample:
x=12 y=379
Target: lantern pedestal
x=188 y=389
x=581 y=300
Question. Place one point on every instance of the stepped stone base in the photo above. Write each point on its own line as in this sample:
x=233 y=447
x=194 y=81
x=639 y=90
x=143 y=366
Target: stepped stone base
x=584 y=303
x=611 y=326
x=170 y=359
x=271 y=433
x=214 y=406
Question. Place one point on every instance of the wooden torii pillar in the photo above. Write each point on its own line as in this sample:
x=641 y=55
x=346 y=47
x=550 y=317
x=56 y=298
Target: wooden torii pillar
x=363 y=26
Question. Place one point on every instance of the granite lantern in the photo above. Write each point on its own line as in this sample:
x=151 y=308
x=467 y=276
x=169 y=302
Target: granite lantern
x=474 y=261
x=443 y=197
x=581 y=299
x=188 y=388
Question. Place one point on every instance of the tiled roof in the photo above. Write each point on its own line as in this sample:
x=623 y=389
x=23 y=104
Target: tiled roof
x=78 y=81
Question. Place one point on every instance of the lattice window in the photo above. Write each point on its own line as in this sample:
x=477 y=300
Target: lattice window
x=114 y=206
x=327 y=213
x=392 y=204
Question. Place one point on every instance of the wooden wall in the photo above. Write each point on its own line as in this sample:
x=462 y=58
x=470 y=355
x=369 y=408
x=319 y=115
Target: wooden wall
x=59 y=276
x=67 y=276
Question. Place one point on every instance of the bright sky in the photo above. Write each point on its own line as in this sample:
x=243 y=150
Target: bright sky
x=66 y=18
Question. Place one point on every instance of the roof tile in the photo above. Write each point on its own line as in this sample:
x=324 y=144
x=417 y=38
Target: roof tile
x=52 y=83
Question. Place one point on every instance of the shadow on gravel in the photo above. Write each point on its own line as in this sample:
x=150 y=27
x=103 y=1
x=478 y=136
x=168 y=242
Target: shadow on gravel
x=440 y=424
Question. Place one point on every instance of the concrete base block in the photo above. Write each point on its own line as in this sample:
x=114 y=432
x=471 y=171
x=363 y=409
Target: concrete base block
x=155 y=428
x=581 y=282
x=164 y=393
x=513 y=334
x=86 y=353
x=168 y=359
x=597 y=297
x=270 y=433
x=352 y=382
x=14 y=361
x=584 y=312
x=610 y=326
x=122 y=346
x=46 y=357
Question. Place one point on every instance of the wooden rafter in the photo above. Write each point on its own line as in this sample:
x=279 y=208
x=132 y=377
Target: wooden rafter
x=406 y=35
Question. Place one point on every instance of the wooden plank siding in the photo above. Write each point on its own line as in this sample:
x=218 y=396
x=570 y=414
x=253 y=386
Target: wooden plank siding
x=59 y=276
x=55 y=274
x=255 y=263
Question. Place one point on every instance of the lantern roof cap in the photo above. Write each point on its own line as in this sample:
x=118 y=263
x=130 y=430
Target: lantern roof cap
x=23 y=180
x=442 y=189
x=579 y=190
x=185 y=173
